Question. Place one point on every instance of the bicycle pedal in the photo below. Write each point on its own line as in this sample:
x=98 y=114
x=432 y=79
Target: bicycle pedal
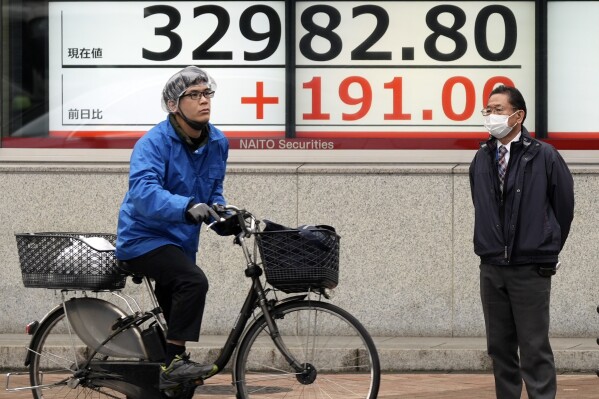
x=180 y=390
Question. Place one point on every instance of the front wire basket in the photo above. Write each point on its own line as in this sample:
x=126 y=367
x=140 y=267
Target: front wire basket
x=67 y=261
x=294 y=263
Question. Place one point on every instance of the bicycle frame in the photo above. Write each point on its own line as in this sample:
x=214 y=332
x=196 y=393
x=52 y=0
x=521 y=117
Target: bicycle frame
x=256 y=298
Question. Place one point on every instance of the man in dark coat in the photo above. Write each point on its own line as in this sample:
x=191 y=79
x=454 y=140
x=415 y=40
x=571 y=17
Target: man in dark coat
x=523 y=195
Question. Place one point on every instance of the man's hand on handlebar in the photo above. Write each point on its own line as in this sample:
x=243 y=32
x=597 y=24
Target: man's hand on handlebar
x=220 y=208
x=228 y=222
x=198 y=213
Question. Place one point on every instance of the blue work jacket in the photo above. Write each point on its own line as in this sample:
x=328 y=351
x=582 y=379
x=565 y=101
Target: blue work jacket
x=165 y=176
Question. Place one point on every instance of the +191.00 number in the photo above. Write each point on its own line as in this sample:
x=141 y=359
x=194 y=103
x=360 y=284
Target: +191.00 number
x=361 y=52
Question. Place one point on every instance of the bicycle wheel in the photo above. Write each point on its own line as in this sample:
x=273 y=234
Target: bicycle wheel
x=55 y=358
x=337 y=351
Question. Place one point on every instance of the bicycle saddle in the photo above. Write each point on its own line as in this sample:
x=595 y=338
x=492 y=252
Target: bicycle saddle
x=123 y=267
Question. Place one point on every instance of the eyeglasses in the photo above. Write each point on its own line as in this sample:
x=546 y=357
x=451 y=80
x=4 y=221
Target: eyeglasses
x=496 y=111
x=196 y=95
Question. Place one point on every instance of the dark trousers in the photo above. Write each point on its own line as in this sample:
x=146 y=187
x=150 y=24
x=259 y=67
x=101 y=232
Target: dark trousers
x=516 y=309
x=180 y=287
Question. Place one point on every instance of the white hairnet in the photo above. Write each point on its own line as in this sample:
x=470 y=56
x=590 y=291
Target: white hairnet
x=181 y=81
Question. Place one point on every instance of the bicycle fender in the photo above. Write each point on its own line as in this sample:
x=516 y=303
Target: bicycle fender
x=36 y=333
x=92 y=320
x=300 y=297
x=285 y=301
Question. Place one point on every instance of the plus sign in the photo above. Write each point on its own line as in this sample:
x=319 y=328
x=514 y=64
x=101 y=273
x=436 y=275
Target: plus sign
x=259 y=100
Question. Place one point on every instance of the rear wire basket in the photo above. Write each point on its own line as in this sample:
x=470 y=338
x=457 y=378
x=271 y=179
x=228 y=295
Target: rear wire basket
x=65 y=261
x=293 y=263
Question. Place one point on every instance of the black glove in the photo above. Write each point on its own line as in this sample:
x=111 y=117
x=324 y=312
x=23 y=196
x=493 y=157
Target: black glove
x=228 y=226
x=229 y=223
x=219 y=208
x=198 y=213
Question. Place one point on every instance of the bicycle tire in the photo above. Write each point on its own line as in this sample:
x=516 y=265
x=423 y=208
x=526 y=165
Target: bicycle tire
x=54 y=357
x=330 y=339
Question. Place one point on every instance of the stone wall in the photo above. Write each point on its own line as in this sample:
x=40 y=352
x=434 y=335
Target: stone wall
x=407 y=264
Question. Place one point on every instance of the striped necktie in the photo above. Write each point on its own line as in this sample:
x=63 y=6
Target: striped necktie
x=501 y=165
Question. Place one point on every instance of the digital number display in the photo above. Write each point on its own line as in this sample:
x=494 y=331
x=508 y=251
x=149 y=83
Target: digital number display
x=410 y=66
x=205 y=51
x=108 y=77
x=375 y=69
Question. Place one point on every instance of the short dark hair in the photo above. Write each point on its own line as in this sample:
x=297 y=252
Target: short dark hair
x=514 y=96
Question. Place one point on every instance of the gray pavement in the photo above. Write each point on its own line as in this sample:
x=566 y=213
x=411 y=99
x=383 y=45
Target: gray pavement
x=414 y=367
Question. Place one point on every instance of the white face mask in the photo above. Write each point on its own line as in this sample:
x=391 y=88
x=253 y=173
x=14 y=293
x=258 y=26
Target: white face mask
x=497 y=125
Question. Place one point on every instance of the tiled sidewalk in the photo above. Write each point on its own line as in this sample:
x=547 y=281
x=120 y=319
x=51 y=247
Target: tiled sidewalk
x=407 y=386
x=409 y=353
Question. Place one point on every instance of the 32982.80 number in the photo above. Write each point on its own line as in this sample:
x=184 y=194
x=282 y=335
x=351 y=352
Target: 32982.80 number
x=327 y=32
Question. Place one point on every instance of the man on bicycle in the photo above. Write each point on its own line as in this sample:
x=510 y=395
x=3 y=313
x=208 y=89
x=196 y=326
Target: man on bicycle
x=176 y=174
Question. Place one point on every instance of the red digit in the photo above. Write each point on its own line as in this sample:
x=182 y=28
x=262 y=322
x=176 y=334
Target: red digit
x=316 y=87
x=365 y=101
x=447 y=96
x=397 y=86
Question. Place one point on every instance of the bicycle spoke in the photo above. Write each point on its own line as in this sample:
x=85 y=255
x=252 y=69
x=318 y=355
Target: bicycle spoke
x=50 y=358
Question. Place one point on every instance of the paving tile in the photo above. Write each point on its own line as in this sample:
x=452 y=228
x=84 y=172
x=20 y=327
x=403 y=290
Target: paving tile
x=401 y=386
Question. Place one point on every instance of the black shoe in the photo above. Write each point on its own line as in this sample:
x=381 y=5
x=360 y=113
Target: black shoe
x=183 y=370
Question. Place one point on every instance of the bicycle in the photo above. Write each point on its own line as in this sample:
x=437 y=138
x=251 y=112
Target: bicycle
x=282 y=346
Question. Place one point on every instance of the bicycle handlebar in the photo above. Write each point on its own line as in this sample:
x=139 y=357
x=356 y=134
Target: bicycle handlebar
x=247 y=222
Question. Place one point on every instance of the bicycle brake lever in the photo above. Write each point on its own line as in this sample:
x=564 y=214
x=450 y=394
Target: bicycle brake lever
x=215 y=222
